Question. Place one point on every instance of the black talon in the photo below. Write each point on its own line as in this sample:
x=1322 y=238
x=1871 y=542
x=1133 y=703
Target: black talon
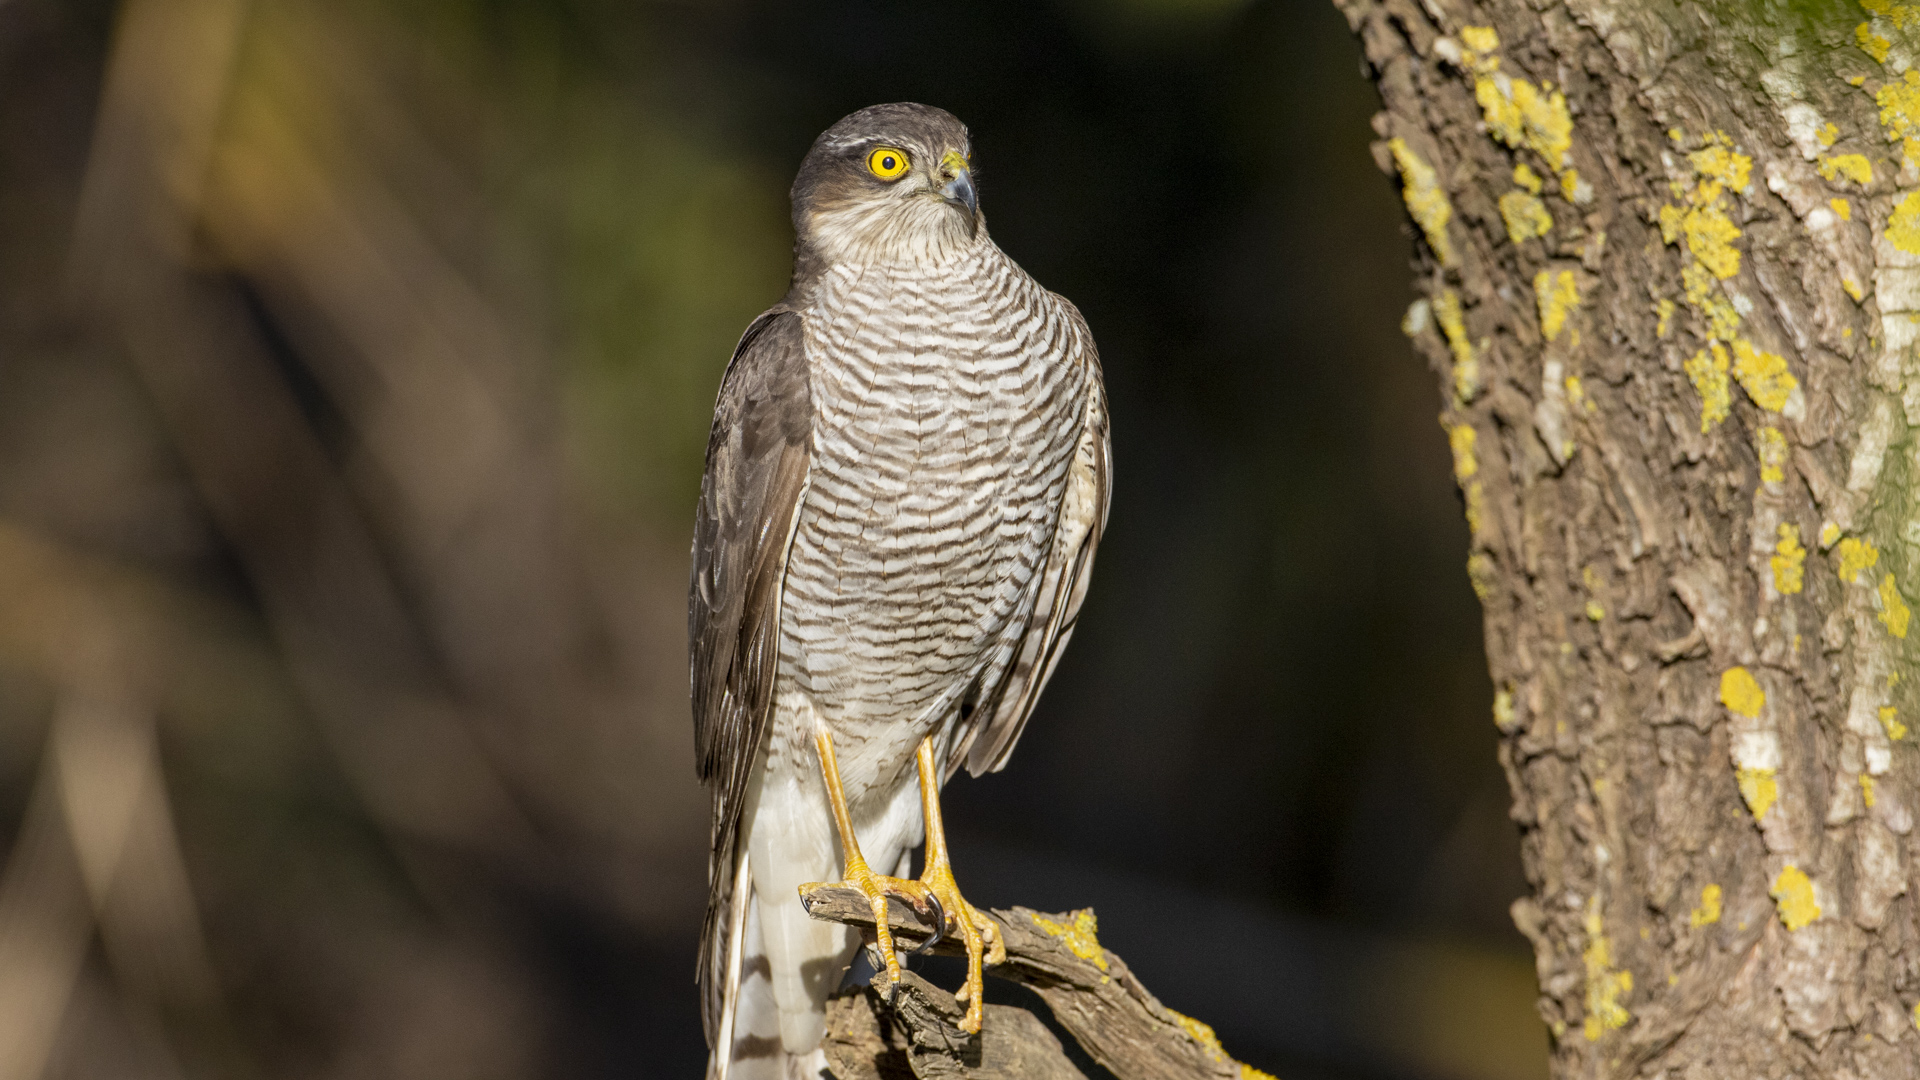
x=939 y=928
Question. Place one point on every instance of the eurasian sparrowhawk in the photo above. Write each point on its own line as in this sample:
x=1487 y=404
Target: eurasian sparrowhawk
x=906 y=479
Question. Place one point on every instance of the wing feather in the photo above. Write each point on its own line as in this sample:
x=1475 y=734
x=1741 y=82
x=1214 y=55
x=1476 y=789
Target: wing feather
x=758 y=455
x=987 y=738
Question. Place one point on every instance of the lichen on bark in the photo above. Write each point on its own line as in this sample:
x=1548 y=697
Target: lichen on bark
x=1682 y=254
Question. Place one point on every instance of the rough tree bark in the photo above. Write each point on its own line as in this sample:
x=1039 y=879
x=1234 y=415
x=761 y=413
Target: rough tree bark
x=1670 y=255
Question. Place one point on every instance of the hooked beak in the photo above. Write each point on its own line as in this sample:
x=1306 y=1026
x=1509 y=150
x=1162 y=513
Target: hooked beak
x=958 y=189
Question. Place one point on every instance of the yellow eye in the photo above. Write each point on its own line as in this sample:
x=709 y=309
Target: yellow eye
x=887 y=163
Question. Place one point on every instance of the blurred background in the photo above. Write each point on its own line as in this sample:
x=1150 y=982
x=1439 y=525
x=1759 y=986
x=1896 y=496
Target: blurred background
x=356 y=361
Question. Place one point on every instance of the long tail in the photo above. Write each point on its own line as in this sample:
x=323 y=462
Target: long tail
x=747 y=1044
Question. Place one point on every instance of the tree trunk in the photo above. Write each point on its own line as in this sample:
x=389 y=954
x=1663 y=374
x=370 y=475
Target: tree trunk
x=1670 y=255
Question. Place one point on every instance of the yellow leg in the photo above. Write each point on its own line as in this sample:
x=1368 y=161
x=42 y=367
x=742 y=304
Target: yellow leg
x=981 y=936
x=936 y=884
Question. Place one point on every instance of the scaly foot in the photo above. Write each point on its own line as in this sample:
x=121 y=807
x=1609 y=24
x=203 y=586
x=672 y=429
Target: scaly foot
x=981 y=935
x=878 y=889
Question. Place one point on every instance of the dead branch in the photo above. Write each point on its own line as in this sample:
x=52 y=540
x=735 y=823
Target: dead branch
x=1089 y=989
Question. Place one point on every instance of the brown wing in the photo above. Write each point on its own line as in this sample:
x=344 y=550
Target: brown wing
x=988 y=738
x=757 y=460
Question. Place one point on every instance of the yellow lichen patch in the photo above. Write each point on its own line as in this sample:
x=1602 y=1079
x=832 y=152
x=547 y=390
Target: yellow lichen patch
x=1503 y=709
x=1718 y=160
x=1476 y=505
x=1856 y=80
x=1740 y=692
x=1248 y=1072
x=1793 y=893
x=1663 y=311
x=1899 y=103
x=1854 y=167
x=1871 y=43
x=1856 y=555
x=1842 y=209
x=1866 y=789
x=1760 y=788
x=1788 y=561
x=1480 y=571
x=1901 y=14
x=1453 y=324
x=1200 y=1033
x=1903 y=225
x=1570 y=187
x=1853 y=289
x=1426 y=202
x=1708 y=370
x=1461 y=438
x=1555 y=295
x=1708 y=912
x=1525 y=215
x=1890 y=719
x=1829 y=134
x=1829 y=532
x=1893 y=609
x=1577 y=394
x=1705 y=296
x=1081 y=936
x=1595 y=612
x=1481 y=39
x=1710 y=236
x=1772 y=450
x=1521 y=114
x=1527 y=178
x=1763 y=375
x=1605 y=986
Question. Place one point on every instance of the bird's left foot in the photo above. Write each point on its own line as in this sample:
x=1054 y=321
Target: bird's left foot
x=981 y=935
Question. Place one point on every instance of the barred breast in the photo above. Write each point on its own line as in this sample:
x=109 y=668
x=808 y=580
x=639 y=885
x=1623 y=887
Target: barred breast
x=948 y=400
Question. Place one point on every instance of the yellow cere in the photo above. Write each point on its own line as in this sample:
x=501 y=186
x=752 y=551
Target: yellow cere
x=1788 y=561
x=1708 y=371
x=1461 y=438
x=1793 y=893
x=1866 y=790
x=1842 y=209
x=1081 y=936
x=1426 y=202
x=1854 y=167
x=1890 y=719
x=1763 y=375
x=1708 y=912
x=1759 y=788
x=1829 y=134
x=1555 y=295
x=1856 y=555
x=1871 y=43
x=1773 y=455
x=1664 y=312
x=1893 y=608
x=1466 y=369
x=1526 y=216
x=1605 y=986
x=1527 y=178
x=1740 y=692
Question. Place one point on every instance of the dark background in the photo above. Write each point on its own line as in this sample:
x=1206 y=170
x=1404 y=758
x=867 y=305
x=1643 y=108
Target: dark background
x=356 y=359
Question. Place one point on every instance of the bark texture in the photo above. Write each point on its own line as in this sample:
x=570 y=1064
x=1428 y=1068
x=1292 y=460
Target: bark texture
x=1670 y=258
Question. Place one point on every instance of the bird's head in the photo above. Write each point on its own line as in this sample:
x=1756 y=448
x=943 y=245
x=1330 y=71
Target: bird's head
x=888 y=183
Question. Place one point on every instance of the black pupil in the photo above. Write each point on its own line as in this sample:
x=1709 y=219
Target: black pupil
x=887 y=163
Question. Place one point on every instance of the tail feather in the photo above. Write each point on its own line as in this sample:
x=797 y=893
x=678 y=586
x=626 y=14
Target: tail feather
x=748 y=1044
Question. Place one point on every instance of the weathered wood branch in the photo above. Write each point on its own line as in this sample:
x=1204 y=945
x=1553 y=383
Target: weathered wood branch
x=1089 y=990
